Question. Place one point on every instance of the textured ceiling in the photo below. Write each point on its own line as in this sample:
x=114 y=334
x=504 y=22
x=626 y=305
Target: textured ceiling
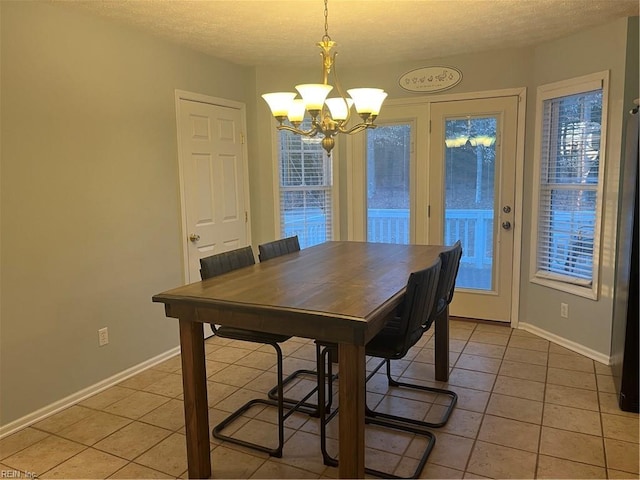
x=368 y=32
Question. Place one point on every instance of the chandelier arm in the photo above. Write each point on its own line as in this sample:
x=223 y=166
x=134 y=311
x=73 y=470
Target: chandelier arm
x=312 y=132
x=356 y=128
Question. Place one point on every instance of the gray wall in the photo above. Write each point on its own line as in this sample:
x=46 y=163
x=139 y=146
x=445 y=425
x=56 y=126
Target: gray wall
x=90 y=197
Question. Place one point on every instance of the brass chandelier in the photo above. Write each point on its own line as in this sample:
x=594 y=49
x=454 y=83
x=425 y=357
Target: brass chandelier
x=329 y=116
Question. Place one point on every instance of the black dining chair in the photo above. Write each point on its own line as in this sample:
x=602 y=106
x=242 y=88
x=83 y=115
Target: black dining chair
x=400 y=333
x=450 y=262
x=219 y=264
x=267 y=251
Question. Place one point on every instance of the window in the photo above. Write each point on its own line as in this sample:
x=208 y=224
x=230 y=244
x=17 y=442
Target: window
x=306 y=189
x=571 y=127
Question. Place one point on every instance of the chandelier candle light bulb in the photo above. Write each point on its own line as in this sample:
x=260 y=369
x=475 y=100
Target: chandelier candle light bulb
x=329 y=117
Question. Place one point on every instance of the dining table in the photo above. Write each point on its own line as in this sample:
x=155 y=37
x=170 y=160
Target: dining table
x=339 y=291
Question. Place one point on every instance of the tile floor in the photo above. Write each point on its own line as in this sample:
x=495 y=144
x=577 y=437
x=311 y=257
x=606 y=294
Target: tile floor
x=527 y=409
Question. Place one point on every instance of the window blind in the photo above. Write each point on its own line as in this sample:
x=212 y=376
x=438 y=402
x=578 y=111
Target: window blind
x=568 y=189
x=305 y=189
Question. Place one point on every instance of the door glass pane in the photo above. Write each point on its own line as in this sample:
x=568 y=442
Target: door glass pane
x=388 y=159
x=469 y=197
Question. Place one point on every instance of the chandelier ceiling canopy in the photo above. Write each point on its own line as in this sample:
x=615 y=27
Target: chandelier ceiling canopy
x=329 y=116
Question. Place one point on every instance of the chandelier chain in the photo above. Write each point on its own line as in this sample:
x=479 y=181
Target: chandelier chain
x=326 y=21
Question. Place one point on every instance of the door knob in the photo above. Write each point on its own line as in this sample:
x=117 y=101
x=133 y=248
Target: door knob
x=194 y=237
x=506 y=225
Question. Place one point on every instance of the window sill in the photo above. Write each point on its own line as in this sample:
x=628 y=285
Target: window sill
x=589 y=292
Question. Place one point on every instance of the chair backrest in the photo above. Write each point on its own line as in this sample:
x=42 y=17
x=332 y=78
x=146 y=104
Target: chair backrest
x=450 y=259
x=418 y=304
x=277 y=248
x=225 y=262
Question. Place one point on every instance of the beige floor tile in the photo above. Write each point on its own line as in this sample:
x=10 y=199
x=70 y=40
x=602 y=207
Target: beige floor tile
x=622 y=456
x=602 y=369
x=169 y=416
x=534 y=357
x=578 y=447
x=437 y=471
x=606 y=384
x=136 y=405
x=132 y=440
x=499 y=328
x=143 y=379
x=571 y=362
x=551 y=467
x=617 y=474
x=529 y=343
x=273 y=469
x=484 y=350
x=478 y=363
x=526 y=371
x=403 y=407
x=460 y=333
x=491 y=338
x=571 y=378
x=384 y=462
x=571 y=396
x=462 y=422
x=258 y=432
x=169 y=456
x=42 y=456
x=94 y=428
x=63 y=419
x=169 y=386
x=510 y=433
x=229 y=354
x=107 y=397
x=518 y=387
x=620 y=427
x=496 y=461
x=236 y=375
x=259 y=360
x=572 y=419
x=468 y=399
x=302 y=450
x=229 y=463
x=515 y=408
x=133 y=470
x=89 y=463
x=450 y=450
x=219 y=392
x=415 y=371
x=20 y=440
x=470 y=379
x=609 y=404
x=171 y=365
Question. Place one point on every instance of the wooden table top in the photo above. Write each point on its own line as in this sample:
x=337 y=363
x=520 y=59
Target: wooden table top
x=335 y=291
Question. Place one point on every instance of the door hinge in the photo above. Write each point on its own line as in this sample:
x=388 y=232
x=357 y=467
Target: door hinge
x=429 y=126
x=428 y=211
x=242 y=137
x=246 y=217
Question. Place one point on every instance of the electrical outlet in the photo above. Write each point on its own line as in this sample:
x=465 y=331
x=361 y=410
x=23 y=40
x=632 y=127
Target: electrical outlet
x=564 y=310
x=103 y=336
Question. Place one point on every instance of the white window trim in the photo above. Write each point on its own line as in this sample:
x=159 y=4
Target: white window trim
x=335 y=165
x=553 y=90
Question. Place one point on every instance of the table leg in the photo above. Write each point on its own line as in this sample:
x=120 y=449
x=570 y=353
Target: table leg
x=352 y=400
x=196 y=410
x=442 y=346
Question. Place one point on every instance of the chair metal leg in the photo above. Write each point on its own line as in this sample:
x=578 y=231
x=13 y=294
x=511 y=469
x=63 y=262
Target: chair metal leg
x=324 y=420
x=421 y=423
x=279 y=403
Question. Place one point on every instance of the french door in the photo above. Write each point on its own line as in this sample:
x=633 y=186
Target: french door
x=472 y=171
x=440 y=172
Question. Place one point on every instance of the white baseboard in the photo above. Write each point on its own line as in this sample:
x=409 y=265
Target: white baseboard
x=66 y=402
x=563 y=342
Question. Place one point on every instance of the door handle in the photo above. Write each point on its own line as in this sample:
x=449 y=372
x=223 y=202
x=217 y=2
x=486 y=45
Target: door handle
x=194 y=237
x=506 y=225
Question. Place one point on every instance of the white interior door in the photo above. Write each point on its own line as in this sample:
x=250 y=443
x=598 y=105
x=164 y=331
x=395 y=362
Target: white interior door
x=472 y=171
x=213 y=180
